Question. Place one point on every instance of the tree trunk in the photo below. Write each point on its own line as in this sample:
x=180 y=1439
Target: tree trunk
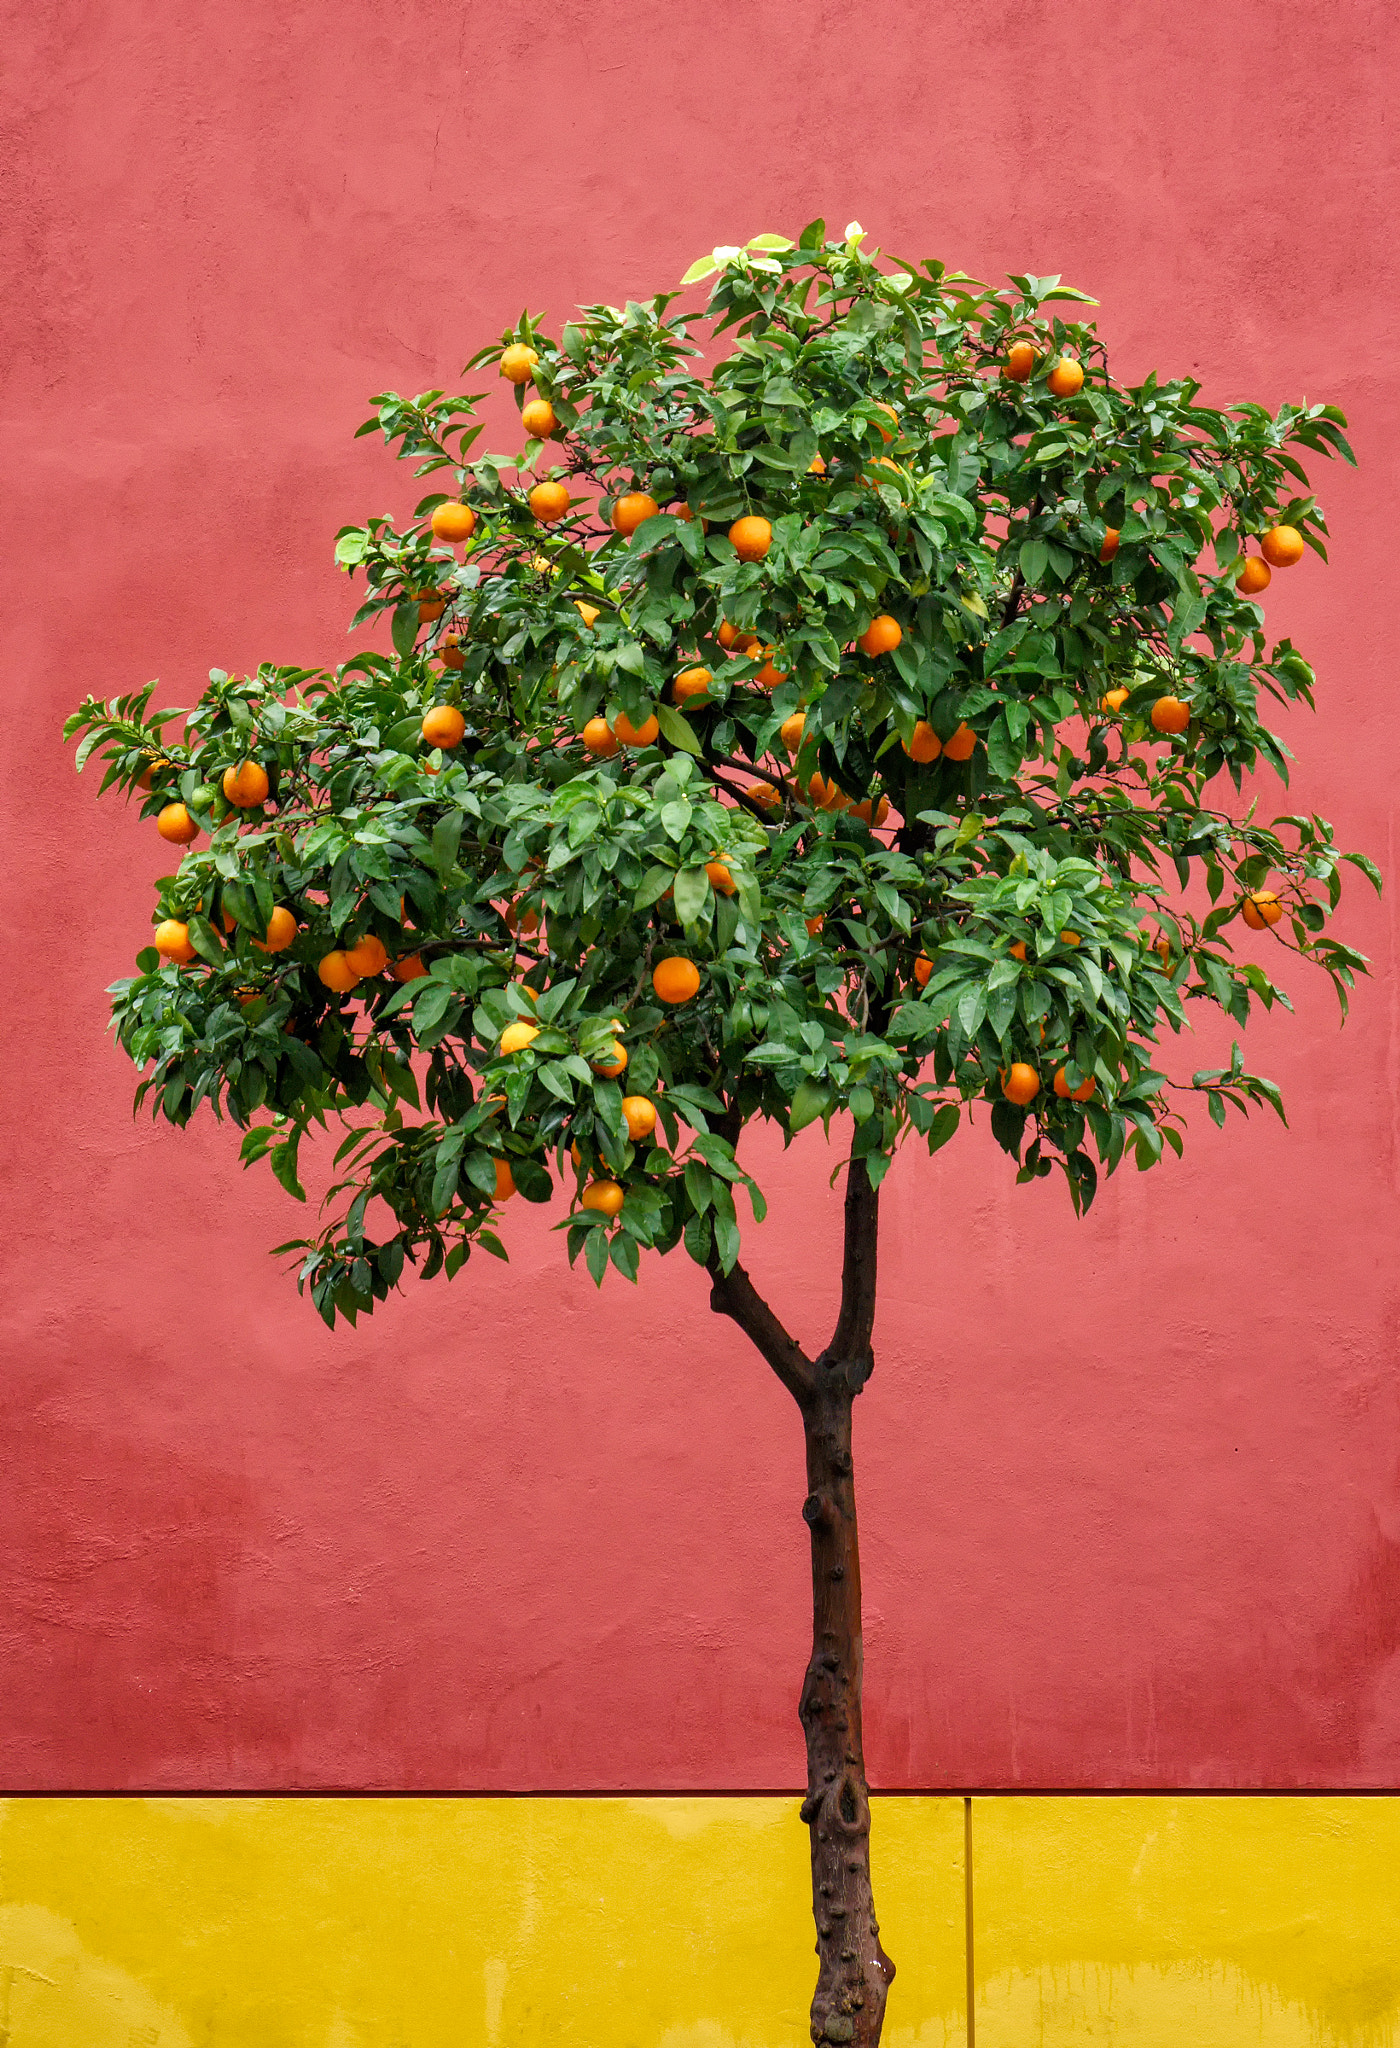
x=855 y=1975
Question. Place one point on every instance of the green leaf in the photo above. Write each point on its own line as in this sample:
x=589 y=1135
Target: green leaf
x=677 y=729
x=704 y=266
x=810 y=1100
x=692 y=889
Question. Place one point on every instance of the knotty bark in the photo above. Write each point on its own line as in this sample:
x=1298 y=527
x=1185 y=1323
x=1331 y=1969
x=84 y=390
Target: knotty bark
x=855 y=1974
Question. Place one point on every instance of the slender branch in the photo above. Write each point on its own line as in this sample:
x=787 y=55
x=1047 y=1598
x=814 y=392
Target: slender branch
x=733 y=1294
x=850 y=1343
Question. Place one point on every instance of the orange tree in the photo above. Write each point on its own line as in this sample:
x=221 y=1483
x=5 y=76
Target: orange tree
x=853 y=727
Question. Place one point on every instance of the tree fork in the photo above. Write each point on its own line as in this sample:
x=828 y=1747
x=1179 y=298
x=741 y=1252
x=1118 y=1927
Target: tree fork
x=855 y=1974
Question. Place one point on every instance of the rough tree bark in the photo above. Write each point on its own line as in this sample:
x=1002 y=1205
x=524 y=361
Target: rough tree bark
x=855 y=1973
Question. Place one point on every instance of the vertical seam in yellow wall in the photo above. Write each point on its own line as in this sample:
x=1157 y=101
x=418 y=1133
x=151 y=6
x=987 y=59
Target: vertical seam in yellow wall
x=967 y=1919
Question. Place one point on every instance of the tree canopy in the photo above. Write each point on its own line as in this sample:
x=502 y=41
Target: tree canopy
x=894 y=667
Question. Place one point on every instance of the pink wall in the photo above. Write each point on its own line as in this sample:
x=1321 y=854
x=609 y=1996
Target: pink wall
x=1130 y=1487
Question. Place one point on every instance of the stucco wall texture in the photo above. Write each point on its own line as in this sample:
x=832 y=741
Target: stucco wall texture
x=1130 y=1491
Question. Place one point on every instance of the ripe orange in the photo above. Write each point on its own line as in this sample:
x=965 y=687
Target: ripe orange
x=246 y=785
x=517 y=1036
x=1020 y=1083
x=1020 y=361
x=817 y=465
x=731 y=637
x=1261 y=908
x=827 y=796
x=281 y=930
x=675 y=979
x=598 y=738
x=1018 y=949
x=444 y=726
x=881 y=636
x=814 y=925
x=431 y=606
x=613 y=1062
x=175 y=824
x=691 y=682
x=925 y=746
x=751 y=538
x=871 y=812
x=1065 y=380
x=335 y=971
x=603 y=1195
x=923 y=969
x=790 y=731
x=635 y=735
x=640 y=1115
x=549 y=502
x=721 y=881
x=587 y=612
x=770 y=675
x=172 y=941
x=527 y=921
x=450 y=653
x=453 y=522
x=1069 y=938
x=1111 y=539
x=631 y=509
x=367 y=955
x=1067 y=1094
x=1113 y=700
x=1254 y=577
x=538 y=418
x=961 y=746
x=1170 y=715
x=408 y=967
x=505 y=1181
x=1282 y=546
x=518 y=363
x=765 y=794
x=888 y=433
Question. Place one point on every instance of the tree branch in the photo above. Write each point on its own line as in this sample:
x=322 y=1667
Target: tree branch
x=850 y=1343
x=733 y=1294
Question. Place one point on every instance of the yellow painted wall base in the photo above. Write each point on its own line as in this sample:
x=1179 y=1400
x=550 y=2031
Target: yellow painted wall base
x=683 y=1923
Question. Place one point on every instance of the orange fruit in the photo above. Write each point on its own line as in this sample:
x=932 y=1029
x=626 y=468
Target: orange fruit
x=613 y=1063
x=635 y=735
x=1111 y=540
x=881 y=636
x=814 y=925
x=527 y=921
x=764 y=794
x=367 y=955
x=1065 y=380
x=1020 y=361
x=598 y=738
x=817 y=465
x=721 y=881
x=751 y=538
x=444 y=726
x=923 y=969
x=505 y=1181
x=1170 y=715
x=408 y=967
x=925 y=746
x=518 y=363
x=453 y=522
x=732 y=637
x=961 y=746
x=827 y=796
x=888 y=433
x=1020 y=1083
x=1067 y=1094
x=1261 y=908
x=175 y=824
x=640 y=1115
x=549 y=502
x=1282 y=546
x=517 y=1036
x=538 y=419
x=450 y=653
x=281 y=930
x=675 y=979
x=1018 y=949
x=631 y=509
x=172 y=941
x=691 y=682
x=871 y=812
x=790 y=731
x=431 y=607
x=1113 y=700
x=246 y=785
x=587 y=612
x=531 y=995
x=603 y=1195
x=1254 y=577
x=335 y=971
x=1163 y=949
x=769 y=676
x=1069 y=938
